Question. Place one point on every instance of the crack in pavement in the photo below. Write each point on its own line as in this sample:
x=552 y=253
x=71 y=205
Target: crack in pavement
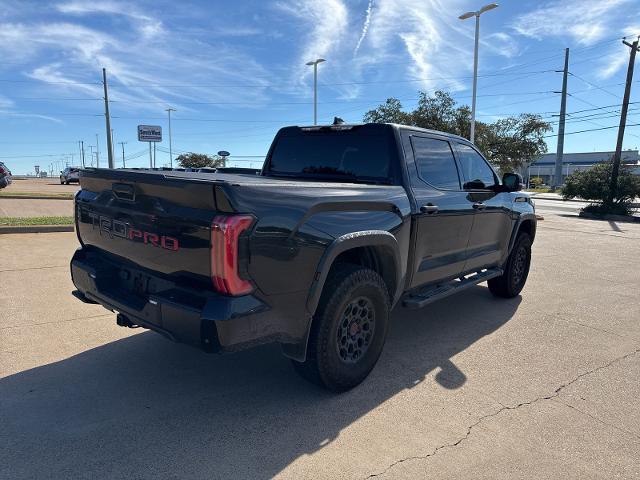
x=27 y=325
x=470 y=428
x=33 y=268
x=572 y=407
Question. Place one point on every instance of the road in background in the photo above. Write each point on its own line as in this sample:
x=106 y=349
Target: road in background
x=540 y=386
x=40 y=185
x=558 y=207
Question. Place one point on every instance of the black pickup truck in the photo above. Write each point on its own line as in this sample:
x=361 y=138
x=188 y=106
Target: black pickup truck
x=343 y=223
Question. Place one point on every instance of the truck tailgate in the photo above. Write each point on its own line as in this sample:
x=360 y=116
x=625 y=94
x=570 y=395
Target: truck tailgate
x=156 y=223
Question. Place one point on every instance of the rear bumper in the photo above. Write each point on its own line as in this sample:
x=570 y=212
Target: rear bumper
x=200 y=318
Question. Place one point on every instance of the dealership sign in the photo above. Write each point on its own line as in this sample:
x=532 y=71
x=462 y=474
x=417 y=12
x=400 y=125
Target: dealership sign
x=149 y=133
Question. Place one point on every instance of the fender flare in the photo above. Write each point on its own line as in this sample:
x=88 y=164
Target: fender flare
x=367 y=238
x=514 y=233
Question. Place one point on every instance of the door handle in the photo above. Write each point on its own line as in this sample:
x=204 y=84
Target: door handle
x=479 y=206
x=429 y=208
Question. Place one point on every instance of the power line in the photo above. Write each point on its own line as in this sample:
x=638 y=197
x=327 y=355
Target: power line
x=593 y=85
x=592 y=130
x=43 y=155
x=271 y=85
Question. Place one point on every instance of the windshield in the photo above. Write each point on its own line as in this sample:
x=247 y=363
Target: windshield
x=353 y=153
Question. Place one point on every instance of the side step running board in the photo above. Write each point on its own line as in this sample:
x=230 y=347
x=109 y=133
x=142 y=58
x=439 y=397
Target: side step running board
x=430 y=294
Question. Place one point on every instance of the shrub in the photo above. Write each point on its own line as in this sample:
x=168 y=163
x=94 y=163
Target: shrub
x=593 y=185
x=535 y=182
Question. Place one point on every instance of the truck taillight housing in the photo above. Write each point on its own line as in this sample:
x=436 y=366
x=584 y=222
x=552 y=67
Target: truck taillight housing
x=225 y=240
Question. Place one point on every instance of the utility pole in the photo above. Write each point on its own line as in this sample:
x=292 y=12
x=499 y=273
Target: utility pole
x=613 y=186
x=123 y=144
x=97 y=157
x=169 y=110
x=81 y=152
x=107 y=119
x=90 y=154
x=557 y=178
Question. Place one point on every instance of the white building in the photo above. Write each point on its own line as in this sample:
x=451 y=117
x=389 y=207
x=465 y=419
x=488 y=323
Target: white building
x=544 y=167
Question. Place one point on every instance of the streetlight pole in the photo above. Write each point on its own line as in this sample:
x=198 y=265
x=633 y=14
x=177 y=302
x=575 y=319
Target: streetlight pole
x=169 y=110
x=315 y=87
x=464 y=16
x=123 y=163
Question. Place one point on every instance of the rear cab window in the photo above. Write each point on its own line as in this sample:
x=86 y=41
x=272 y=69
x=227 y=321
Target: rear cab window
x=435 y=162
x=359 y=153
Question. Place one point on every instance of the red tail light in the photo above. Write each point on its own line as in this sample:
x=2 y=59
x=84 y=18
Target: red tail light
x=225 y=234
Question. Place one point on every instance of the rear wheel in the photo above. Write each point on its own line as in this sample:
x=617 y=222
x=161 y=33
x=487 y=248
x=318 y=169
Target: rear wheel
x=61 y=181
x=516 y=270
x=348 y=330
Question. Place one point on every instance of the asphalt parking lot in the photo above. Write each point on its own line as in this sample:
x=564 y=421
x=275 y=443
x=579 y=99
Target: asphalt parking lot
x=541 y=386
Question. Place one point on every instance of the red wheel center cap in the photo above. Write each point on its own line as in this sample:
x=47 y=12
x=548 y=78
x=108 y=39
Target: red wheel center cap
x=354 y=329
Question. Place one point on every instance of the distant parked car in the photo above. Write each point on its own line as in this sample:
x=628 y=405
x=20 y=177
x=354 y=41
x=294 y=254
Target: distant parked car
x=70 y=174
x=5 y=175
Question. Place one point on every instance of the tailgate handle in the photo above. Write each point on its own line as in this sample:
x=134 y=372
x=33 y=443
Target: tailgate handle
x=123 y=191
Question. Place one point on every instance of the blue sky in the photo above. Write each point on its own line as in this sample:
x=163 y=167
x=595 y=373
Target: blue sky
x=235 y=71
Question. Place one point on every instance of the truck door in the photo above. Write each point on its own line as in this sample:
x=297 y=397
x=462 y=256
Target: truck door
x=492 y=222
x=444 y=216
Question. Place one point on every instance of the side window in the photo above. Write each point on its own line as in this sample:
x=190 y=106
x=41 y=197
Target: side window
x=435 y=162
x=474 y=166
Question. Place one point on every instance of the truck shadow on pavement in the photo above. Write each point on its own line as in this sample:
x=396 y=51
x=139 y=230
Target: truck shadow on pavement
x=142 y=407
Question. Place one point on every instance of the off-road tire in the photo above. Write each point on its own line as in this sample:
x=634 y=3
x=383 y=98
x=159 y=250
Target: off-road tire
x=516 y=269
x=349 y=289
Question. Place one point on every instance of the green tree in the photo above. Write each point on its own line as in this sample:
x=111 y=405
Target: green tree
x=199 y=160
x=508 y=143
x=593 y=184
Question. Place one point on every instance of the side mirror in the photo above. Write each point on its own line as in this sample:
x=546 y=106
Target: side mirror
x=474 y=185
x=512 y=182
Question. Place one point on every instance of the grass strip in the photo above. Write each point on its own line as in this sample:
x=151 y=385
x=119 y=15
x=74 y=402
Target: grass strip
x=19 y=221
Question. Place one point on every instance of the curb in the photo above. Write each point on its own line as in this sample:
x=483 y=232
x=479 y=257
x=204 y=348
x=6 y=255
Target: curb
x=613 y=218
x=35 y=197
x=36 y=229
x=560 y=199
x=556 y=199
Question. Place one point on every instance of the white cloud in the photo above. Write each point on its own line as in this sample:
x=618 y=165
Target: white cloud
x=365 y=27
x=325 y=21
x=611 y=65
x=501 y=44
x=7 y=107
x=323 y=26
x=424 y=29
x=586 y=21
x=148 y=26
x=139 y=63
x=617 y=57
